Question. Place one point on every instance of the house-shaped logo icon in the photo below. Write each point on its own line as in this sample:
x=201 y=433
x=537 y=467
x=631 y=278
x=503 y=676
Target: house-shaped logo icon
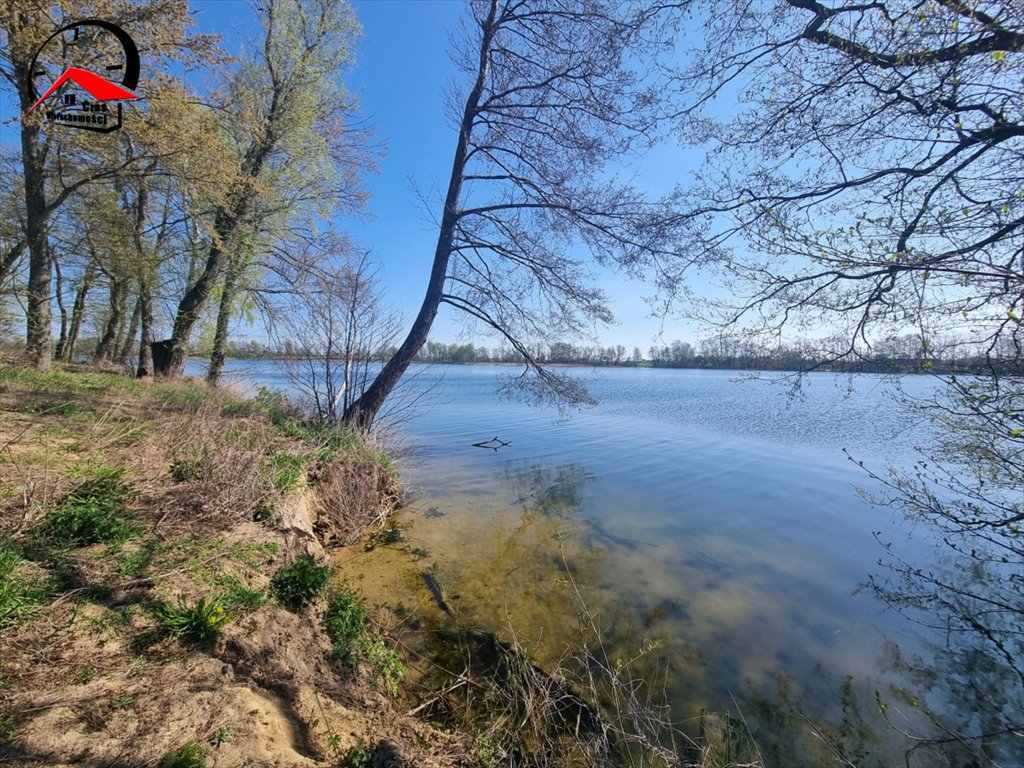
x=95 y=44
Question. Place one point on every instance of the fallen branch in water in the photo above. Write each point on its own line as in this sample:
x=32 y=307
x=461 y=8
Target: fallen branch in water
x=494 y=444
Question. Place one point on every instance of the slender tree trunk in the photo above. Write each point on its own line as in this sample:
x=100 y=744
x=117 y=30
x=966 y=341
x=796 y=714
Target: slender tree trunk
x=143 y=315
x=63 y=340
x=220 y=338
x=362 y=412
x=122 y=322
x=146 y=335
x=78 y=309
x=129 y=338
x=37 y=309
x=105 y=349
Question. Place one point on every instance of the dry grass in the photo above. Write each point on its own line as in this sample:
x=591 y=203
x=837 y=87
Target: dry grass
x=353 y=495
x=217 y=462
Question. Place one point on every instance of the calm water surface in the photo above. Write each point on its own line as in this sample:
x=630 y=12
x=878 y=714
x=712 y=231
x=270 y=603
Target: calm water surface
x=717 y=518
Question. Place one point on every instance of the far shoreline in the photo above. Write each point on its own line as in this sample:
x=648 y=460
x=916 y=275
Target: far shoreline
x=895 y=368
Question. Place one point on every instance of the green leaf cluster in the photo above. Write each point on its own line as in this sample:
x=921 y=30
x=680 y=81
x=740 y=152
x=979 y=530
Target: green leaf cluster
x=299 y=583
x=199 y=622
x=90 y=512
x=345 y=621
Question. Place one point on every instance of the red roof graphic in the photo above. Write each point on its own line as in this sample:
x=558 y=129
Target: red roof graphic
x=99 y=88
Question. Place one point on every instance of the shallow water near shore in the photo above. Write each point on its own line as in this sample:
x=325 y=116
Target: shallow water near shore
x=715 y=520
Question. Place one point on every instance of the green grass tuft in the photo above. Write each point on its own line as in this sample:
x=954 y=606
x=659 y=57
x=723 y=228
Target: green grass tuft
x=286 y=471
x=88 y=514
x=200 y=622
x=20 y=593
x=238 y=599
x=189 y=755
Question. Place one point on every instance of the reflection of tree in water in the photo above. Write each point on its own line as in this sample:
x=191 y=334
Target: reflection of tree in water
x=968 y=494
x=971 y=684
x=552 y=491
x=955 y=703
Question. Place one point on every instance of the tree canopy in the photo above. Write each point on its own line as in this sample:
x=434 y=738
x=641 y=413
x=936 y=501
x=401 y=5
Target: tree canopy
x=549 y=97
x=871 y=174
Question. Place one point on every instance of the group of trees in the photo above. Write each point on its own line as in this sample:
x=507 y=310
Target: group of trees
x=206 y=204
x=326 y=333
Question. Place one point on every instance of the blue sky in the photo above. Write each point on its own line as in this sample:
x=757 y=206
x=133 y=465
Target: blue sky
x=402 y=73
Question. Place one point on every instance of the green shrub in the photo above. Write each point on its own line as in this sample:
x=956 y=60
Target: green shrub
x=275 y=405
x=88 y=513
x=189 y=755
x=344 y=622
x=199 y=622
x=385 y=664
x=298 y=584
x=20 y=594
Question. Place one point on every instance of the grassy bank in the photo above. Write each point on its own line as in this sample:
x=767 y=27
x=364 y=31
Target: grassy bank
x=165 y=594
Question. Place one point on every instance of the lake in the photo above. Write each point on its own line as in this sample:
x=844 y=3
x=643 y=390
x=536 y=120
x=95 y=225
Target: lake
x=713 y=520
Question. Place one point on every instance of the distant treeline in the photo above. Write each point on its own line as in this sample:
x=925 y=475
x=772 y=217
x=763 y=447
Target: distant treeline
x=902 y=355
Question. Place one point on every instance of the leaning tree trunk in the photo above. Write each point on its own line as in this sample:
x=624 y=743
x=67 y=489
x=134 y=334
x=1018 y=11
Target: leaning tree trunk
x=105 y=348
x=225 y=228
x=220 y=338
x=189 y=308
x=362 y=412
x=78 y=309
